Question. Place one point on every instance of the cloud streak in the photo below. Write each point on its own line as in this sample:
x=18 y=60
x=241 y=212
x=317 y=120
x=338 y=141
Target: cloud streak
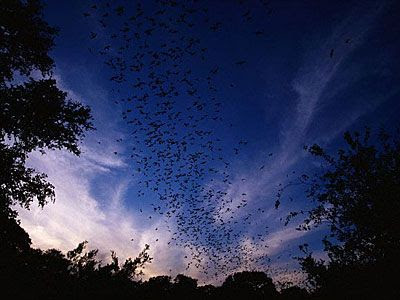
x=91 y=193
x=321 y=66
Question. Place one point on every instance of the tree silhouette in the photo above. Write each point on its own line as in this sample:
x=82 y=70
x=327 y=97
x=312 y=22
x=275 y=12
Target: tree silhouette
x=184 y=287
x=250 y=285
x=357 y=196
x=34 y=113
x=294 y=293
x=159 y=287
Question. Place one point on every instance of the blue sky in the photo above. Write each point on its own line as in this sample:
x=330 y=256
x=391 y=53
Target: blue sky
x=292 y=91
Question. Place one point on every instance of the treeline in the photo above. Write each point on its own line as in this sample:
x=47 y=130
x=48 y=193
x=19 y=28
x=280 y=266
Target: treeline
x=36 y=274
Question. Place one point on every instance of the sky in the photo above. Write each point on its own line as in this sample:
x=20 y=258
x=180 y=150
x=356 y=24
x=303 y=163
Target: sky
x=314 y=70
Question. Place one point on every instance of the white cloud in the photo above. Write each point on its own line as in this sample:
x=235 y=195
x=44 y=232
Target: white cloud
x=76 y=215
x=90 y=202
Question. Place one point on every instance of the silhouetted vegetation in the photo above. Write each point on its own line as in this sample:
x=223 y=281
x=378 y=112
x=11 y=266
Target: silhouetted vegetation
x=35 y=115
x=357 y=196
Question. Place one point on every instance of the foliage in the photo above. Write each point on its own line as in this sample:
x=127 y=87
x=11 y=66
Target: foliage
x=255 y=285
x=358 y=197
x=25 y=38
x=52 y=275
x=34 y=113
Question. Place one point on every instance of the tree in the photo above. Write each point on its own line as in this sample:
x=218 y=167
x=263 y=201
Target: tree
x=158 y=287
x=184 y=287
x=357 y=196
x=34 y=113
x=294 y=293
x=78 y=275
x=93 y=279
x=249 y=285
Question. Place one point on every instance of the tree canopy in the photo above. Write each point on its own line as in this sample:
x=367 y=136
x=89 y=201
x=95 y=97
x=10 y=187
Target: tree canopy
x=357 y=196
x=34 y=113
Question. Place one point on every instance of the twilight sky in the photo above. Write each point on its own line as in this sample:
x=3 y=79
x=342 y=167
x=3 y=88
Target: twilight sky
x=296 y=73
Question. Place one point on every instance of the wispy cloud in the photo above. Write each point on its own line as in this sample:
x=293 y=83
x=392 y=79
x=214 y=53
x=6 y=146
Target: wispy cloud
x=77 y=215
x=322 y=64
x=91 y=193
